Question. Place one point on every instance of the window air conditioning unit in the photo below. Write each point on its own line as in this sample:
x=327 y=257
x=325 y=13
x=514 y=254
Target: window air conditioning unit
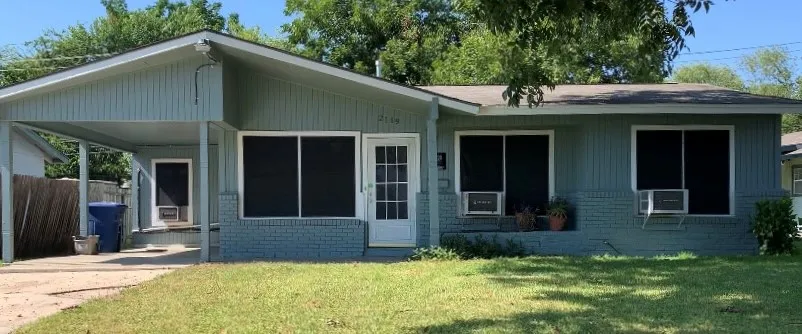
x=169 y=213
x=482 y=203
x=663 y=201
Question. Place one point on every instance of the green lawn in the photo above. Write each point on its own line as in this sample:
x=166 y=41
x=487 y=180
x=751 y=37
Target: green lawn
x=536 y=294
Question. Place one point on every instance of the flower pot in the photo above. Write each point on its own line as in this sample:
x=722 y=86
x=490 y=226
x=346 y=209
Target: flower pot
x=556 y=223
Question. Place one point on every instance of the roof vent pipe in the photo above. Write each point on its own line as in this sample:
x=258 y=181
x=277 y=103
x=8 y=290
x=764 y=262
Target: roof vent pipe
x=378 y=68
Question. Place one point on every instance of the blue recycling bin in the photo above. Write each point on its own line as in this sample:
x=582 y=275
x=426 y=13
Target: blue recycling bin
x=105 y=219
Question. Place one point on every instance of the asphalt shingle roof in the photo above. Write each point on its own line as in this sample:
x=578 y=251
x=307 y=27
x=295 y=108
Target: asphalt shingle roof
x=792 y=138
x=669 y=93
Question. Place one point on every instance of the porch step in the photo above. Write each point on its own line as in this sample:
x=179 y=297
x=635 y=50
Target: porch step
x=388 y=252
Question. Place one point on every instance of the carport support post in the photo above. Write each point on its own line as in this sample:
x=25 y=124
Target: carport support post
x=7 y=193
x=83 y=187
x=134 y=196
x=204 y=192
x=431 y=158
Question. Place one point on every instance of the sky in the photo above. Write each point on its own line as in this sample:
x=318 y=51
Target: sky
x=729 y=24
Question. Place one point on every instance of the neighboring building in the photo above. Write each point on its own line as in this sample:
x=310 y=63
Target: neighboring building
x=278 y=156
x=791 y=150
x=31 y=152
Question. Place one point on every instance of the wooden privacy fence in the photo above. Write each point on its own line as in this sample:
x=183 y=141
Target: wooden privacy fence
x=46 y=213
x=45 y=216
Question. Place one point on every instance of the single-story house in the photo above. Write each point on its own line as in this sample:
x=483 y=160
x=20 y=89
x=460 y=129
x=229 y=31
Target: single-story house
x=791 y=162
x=31 y=152
x=267 y=154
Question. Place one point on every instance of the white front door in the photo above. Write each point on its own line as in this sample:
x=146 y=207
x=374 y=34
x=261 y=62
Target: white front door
x=391 y=179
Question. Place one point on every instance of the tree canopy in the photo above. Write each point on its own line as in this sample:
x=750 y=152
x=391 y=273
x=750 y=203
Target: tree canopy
x=770 y=71
x=706 y=73
x=542 y=30
x=425 y=42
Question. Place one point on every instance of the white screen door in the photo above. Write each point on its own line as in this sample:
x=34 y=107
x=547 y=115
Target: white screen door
x=392 y=181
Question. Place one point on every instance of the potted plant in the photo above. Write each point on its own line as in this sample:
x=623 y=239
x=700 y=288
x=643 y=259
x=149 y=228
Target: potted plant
x=558 y=213
x=525 y=217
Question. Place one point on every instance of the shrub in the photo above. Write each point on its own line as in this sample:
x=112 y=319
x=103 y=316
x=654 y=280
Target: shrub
x=774 y=224
x=434 y=254
x=482 y=248
x=455 y=247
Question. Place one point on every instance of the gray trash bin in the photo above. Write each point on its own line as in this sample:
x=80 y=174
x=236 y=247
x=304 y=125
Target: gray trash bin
x=85 y=245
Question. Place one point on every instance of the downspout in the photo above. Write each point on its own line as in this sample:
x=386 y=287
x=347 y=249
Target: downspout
x=431 y=162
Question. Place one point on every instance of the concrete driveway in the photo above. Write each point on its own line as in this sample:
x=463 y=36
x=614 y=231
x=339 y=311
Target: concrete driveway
x=36 y=288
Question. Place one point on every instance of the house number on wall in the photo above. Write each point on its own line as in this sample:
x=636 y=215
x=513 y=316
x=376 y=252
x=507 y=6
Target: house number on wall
x=389 y=119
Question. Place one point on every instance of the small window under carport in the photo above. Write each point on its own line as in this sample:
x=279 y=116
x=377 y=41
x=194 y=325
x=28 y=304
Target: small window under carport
x=171 y=195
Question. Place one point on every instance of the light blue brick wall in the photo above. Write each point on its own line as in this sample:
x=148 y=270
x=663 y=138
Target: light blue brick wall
x=422 y=219
x=606 y=223
x=286 y=238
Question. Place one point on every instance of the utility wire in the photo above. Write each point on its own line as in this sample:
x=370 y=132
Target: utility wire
x=62 y=58
x=725 y=58
x=739 y=49
x=32 y=69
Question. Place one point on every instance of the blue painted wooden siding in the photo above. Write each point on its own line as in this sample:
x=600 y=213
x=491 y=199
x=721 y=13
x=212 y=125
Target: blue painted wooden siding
x=144 y=157
x=270 y=104
x=163 y=92
x=230 y=94
x=592 y=152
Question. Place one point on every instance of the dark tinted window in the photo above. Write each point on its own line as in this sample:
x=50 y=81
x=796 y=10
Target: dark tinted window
x=481 y=163
x=270 y=172
x=527 y=164
x=696 y=160
x=172 y=184
x=659 y=159
x=707 y=171
x=328 y=181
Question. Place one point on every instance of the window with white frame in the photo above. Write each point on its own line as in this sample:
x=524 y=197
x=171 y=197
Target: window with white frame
x=298 y=174
x=796 y=187
x=519 y=164
x=171 y=191
x=696 y=158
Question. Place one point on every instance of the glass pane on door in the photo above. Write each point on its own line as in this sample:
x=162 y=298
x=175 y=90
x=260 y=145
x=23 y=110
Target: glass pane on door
x=392 y=181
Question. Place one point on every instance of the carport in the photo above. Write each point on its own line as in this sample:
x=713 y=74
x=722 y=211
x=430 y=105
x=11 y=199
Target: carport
x=166 y=96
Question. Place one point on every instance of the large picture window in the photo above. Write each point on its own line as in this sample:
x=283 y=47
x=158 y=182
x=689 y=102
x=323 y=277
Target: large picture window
x=696 y=158
x=516 y=163
x=298 y=175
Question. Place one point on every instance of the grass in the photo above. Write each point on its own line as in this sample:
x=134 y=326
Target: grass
x=676 y=294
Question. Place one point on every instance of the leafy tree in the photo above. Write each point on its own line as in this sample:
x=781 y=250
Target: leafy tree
x=478 y=60
x=474 y=62
x=433 y=42
x=119 y=30
x=769 y=72
x=103 y=164
x=408 y=35
x=546 y=29
x=705 y=73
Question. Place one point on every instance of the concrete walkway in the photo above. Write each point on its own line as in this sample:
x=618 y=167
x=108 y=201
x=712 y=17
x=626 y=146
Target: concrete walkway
x=33 y=289
x=132 y=259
